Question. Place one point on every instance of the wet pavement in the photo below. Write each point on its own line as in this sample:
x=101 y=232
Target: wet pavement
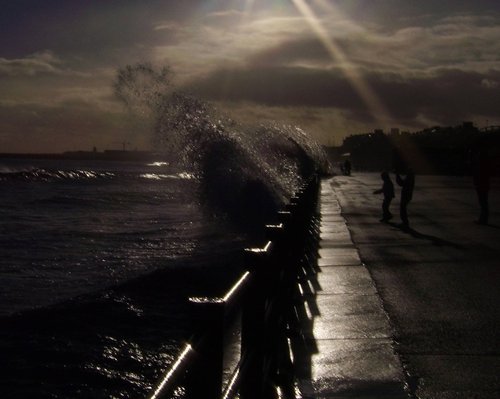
x=347 y=338
x=392 y=308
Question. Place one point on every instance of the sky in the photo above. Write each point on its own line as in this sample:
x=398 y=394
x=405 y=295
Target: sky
x=332 y=67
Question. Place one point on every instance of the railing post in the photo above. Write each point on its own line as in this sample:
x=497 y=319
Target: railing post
x=254 y=328
x=279 y=312
x=268 y=316
x=204 y=380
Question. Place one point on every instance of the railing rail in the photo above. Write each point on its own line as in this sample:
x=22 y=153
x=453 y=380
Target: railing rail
x=262 y=299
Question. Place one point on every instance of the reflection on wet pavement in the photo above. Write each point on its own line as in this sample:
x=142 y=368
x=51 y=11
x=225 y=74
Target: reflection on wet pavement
x=343 y=346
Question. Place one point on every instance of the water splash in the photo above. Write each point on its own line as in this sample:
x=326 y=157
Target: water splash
x=248 y=172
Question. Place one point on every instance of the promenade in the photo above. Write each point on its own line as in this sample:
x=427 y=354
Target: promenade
x=397 y=314
x=348 y=341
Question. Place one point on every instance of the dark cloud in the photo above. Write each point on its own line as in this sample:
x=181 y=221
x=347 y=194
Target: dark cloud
x=41 y=63
x=226 y=18
x=397 y=13
x=278 y=86
x=68 y=126
x=426 y=60
x=467 y=42
x=306 y=49
x=90 y=32
x=448 y=95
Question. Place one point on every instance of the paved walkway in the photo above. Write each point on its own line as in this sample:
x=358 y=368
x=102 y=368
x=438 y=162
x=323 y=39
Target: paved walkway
x=346 y=333
x=438 y=280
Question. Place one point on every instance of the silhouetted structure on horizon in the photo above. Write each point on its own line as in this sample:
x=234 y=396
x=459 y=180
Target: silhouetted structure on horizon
x=436 y=150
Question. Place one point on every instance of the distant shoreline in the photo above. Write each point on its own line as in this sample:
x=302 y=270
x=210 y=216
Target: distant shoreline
x=107 y=155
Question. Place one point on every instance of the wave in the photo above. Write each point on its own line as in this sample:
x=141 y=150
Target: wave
x=131 y=276
x=246 y=172
x=160 y=176
x=37 y=174
x=48 y=175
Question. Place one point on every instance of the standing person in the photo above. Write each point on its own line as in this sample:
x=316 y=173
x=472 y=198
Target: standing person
x=407 y=185
x=481 y=177
x=388 y=191
x=347 y=167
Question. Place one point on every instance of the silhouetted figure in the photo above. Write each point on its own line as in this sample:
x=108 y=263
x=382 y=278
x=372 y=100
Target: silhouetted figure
x=388 y=191
x=407 y=185
x=347 y=167
x=481 y=176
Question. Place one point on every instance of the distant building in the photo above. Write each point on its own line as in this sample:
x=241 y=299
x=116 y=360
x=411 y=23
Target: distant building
x=490 y=128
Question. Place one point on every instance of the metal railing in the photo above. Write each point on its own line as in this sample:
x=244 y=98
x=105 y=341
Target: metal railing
x=261 y=302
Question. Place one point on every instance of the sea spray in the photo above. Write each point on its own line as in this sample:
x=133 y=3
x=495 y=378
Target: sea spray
x=246 y=172
x=101 y=256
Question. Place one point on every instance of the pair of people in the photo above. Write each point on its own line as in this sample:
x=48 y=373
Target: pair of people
x=407 y=184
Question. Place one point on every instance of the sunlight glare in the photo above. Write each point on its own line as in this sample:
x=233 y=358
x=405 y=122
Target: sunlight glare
x=369 y=97
x=248 y=6
x=374 y=104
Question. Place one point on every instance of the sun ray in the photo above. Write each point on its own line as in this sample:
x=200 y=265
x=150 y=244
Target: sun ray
x=374 y=104
x=248 y=6
x=372 y=101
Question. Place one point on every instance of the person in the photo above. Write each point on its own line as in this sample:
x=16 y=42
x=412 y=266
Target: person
x=347 y=167
x=388 y=191
x=407 y=185
x=481 y=178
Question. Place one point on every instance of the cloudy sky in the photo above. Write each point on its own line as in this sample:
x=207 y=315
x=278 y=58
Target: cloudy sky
x=334 y=67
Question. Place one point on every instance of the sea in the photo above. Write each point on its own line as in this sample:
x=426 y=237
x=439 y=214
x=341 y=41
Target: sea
x=99 y=257
x=97 y=261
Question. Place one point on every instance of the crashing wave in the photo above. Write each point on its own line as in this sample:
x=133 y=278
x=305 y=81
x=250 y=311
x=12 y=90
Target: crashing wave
x=38 y=174
x=247 y=172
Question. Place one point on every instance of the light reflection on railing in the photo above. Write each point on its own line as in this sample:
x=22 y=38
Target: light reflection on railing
x=262 y=296
x=236 y=286
x=173 y=369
